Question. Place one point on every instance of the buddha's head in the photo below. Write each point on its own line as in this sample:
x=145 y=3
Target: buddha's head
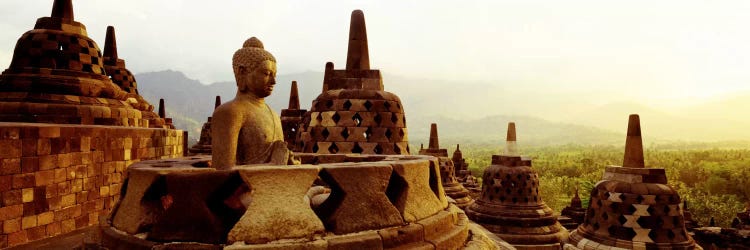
x=254 y=69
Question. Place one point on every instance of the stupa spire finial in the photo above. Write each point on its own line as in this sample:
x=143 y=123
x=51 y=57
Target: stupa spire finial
x=511 y=136
x=358 y=57
x=62 y=9
x=510 y=140
x=217 y=102
x=294 y=96
x=634 y=144
x=110 y=44
x=434 y=141
x=162 y=110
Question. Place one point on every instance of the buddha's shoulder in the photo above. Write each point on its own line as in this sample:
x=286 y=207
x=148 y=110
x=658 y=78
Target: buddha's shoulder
x=230 y=108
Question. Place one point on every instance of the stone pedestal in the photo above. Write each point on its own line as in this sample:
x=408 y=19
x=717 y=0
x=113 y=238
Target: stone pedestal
x=393 y=203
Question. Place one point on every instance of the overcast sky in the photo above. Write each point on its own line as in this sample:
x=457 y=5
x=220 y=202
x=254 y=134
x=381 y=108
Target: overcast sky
x=659 y=51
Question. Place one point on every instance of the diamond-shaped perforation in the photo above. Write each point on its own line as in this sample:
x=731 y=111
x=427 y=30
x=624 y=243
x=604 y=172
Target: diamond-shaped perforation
x=394 y=118
x=388 y=133
x=622 y=219
x=368 y=105
x=357 y=149
x=614 y=206
x=329 y=104
x=347 y=105
x=368 y=133
x=387 y=105
x=378 y=149
x=401 y=133
x=315 y=148
x=631 y=209
x=378 y=119
x=345 y=133
x=396 y=149
x=659 y=222
x=357 y=119
x=644 y=221
x=325 y=133
x=336 y=117
x=333 y=148
x=653 y=234
x=670 y=234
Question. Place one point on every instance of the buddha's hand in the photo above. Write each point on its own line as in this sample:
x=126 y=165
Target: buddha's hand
x=280 y=154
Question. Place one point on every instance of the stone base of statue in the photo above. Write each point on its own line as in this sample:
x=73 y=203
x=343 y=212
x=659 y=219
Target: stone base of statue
x=376 y=202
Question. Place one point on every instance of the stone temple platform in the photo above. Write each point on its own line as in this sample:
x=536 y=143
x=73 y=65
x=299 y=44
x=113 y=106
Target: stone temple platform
x=376 y=202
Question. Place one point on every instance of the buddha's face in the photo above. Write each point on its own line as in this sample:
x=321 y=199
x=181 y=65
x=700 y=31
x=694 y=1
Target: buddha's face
x=259 y=80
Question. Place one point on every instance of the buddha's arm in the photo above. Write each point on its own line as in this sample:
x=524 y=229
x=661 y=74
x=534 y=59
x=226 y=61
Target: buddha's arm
x=225 y=132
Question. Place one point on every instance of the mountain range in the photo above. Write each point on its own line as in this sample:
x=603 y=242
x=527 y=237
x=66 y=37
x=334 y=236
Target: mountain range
x=476 y=112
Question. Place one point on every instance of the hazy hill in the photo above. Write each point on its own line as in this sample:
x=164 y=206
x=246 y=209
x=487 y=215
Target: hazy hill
x=478 y=112
x=718 y=121
x=491 y=131
x=189 y=102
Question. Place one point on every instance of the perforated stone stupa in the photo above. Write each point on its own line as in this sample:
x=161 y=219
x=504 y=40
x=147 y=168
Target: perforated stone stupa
x=354 y=114
x=291 y=118
x=67 y=132
x=572 y=215
x=203 y=146
x=122 y=77
x=452 y=187
x=632 y=207
x=463 y=174
x=57 y=75
x=511 y=205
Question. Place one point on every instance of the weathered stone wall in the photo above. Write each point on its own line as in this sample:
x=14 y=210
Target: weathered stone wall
x=58 y=178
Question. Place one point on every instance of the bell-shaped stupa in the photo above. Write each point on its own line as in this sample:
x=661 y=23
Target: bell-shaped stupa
x=122 y=77
x=203 y=147
x=57 y=75
x=452 y=187
x=291 y=117
x=354 y=114
x=633 y=207
x=572 y=215
x=511 y=205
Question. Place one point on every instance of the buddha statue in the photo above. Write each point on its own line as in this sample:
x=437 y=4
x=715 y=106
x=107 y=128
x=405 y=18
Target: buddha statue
x=245 y=130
